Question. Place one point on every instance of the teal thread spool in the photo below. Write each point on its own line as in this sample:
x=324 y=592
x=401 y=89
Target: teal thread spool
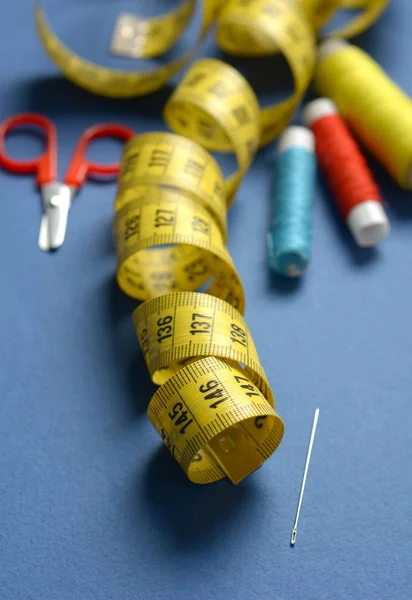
x=290 y=235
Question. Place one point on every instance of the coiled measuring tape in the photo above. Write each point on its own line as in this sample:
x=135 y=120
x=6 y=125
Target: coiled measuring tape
x=216 y=417
x=214 y=408
x=244 y=28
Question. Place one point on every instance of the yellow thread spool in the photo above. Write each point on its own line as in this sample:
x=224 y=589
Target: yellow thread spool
x=377 y=110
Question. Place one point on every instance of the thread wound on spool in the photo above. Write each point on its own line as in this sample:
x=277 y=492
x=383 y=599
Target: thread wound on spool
x=376 y=109
x=347 y=173
x=290 y=236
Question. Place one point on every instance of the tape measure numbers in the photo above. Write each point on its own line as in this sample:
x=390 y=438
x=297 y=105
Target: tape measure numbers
x=170 y=236
x=168 y=160
x=216 y=107
x=207 y=327
x=170 y=233
x=168 y=218
x=214 y=421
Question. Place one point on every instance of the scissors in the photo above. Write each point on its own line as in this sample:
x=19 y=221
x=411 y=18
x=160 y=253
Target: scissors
x=57 y=197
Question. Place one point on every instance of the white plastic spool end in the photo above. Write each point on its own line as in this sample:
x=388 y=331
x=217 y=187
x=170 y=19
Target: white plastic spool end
x=368 y=223
x=294 y=136
x=329 y=47
x=318 y=109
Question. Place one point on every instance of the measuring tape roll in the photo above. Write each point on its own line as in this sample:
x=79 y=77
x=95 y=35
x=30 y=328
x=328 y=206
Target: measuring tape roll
x=211 y=397
x=214 y=409
x=208 y=326
x=214 y=421
x=257 y=28
x=168 y=160
x=215 y=106
x=172 y=193
x=145 y=224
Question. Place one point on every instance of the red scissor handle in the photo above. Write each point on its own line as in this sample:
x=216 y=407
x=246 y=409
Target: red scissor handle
x=44 y=165
x=80 y=167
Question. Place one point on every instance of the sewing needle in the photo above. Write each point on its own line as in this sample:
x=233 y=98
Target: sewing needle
x=305 y=474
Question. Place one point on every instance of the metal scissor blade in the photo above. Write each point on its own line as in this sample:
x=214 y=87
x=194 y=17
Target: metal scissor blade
x=44 y=233
x=57 y=223
x=57 y=199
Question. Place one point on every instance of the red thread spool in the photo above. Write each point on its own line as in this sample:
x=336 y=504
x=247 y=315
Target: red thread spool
x=348 y=175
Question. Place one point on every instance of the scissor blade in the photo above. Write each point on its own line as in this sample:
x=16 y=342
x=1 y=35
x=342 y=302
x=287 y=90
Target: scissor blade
x=44 y=244
x=57 y=223
x=57 y=198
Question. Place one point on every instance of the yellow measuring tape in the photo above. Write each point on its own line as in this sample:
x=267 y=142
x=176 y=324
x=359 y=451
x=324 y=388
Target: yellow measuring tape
x=244 y=28
x=216 y=417
x=214 y=408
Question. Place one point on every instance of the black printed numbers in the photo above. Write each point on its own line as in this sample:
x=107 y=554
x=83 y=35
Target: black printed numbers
x=144 y=341
x=165 y=329
x=179 y=416
x=241 y=115
x=164 y=218
x=200 y=324
x=238 y=335
x=159 y=158
x=247 y=386
x=259 y=422
x=221 y=89
x=197 y=268
x=131 y=227
x=200 y=225
x=130 y=163
x=193 y=80
x=194 y=168
x=212 y=390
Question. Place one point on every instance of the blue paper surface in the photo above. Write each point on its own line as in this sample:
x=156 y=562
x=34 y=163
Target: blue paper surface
x=92 y=507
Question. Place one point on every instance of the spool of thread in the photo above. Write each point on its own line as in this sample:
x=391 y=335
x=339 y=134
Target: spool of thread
x=376 y=109
x=347 y=173
x=290 y=236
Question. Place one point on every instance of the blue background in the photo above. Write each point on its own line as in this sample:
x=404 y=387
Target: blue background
x=91 y=504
